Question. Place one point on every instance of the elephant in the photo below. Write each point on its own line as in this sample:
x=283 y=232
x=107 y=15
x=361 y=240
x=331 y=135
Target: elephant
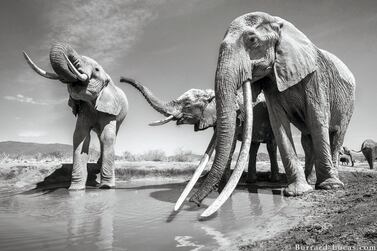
x=345 y=160
x=198 y=107
x=97 y=102
x=303 y=85
x=369 y=150
x=346 y=155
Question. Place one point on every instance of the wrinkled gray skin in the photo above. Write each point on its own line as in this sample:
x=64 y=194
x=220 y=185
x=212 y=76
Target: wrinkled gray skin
x=303 y=85
x=369 y=150
x=99 y=106
x=198 y=107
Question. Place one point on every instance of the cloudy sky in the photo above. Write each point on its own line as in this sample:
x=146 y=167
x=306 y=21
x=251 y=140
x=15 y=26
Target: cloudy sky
x=168 y=45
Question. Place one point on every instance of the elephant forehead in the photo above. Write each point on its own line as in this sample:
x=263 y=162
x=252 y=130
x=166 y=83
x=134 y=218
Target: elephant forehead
x=196 y=94
x=89 y=60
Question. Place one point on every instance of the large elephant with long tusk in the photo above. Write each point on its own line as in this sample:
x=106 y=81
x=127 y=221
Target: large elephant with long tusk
x=303 y=85
x=198 y=108
x=98 y=104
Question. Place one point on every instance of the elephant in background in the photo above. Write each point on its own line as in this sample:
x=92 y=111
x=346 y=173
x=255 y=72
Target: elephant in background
x=303 y=85
x=369 y=150
x=198 y=107
x=345 y=160
x=345 y=156
x=98 y=104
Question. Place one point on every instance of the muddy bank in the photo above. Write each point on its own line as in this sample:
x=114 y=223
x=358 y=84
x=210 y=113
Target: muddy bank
x=343 y=218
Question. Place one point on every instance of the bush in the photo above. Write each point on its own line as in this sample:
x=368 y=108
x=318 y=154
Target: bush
x=128 y=156
x=153 y=155
x=183 y=156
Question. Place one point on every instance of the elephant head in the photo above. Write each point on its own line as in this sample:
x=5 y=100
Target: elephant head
x=256 y=46
x=86 y=80
x=194 y=107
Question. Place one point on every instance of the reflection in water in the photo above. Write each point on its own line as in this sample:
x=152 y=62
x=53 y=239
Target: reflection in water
x=138 y=219
x=185 y=241
x=223 y=242
x=91 y=216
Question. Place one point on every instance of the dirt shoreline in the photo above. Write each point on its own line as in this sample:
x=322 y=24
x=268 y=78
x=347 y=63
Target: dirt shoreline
x=344 y=219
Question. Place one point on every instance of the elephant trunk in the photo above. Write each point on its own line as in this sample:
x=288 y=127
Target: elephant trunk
x=227 y=79
x=58 y=54
x=168 y=109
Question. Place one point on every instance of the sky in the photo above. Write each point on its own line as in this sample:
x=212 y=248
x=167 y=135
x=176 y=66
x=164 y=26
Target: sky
x=168 y=45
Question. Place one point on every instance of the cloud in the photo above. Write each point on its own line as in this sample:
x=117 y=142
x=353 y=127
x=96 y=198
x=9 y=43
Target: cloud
x=23 y=99
x=105 y=30
x=31 y=134
x=101 y=27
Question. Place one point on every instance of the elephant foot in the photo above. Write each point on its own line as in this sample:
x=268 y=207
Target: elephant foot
x=251 y=179
x=275 y=178
x=107 y=185
x=311 y=179
x=77 y=186
x=297 y=188
x=330 y=183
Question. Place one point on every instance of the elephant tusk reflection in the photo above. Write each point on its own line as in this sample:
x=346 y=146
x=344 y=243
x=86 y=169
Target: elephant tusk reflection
x=80 y=76
x=38 y=70
x=199 y=170
x=162 y=121
x=242 y=158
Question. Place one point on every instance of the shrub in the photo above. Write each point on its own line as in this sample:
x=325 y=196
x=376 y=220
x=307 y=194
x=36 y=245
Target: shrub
x=153 y=155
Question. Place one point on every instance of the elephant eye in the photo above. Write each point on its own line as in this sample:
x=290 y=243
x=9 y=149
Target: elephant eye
x=253 y=39
x=96 y=69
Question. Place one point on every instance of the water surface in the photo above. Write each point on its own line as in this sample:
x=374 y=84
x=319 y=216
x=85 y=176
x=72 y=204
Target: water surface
x=138 y=216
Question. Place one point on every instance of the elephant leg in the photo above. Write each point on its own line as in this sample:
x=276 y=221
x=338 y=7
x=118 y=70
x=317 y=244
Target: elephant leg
x=227 y=172
x=252 y=170
x=307 y=145
x=297 y=184
x=107 y=139
x=81 y=141
x=369 y=156
x=325 y=164
x=272 y=152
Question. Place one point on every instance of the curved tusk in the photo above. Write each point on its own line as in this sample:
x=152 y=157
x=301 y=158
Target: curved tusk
x=162 y=121
x=80 y=76
x=38 y=70
x=202 y=164
x=242 y=158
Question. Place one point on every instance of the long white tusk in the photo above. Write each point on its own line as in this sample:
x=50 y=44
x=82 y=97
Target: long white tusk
x=38 y=70
x=162 y=121
x=242 y=158
x=202 y=164
x=80 y=76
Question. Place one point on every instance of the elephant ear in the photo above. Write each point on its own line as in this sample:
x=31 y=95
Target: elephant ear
x=295 y=56
x=108 y=100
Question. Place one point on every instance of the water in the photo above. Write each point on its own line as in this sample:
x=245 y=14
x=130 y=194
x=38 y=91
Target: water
x=139 y=217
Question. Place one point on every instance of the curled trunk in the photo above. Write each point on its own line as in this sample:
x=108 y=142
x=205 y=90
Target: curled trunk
x=165 y=108
x=59 y=62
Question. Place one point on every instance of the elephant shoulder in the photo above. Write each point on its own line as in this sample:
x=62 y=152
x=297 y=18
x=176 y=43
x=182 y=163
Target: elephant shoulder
x=342 y=69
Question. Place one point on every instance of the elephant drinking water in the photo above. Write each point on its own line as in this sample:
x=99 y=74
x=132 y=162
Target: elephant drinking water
x=303 y=85
x=98 y=104
x=198 y=107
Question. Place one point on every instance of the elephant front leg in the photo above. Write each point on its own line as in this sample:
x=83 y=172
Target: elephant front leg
x=107 y=139
x=272 y=153
x=252 y=170
x=81 y=141
x=307 y=145
x=297 y=184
